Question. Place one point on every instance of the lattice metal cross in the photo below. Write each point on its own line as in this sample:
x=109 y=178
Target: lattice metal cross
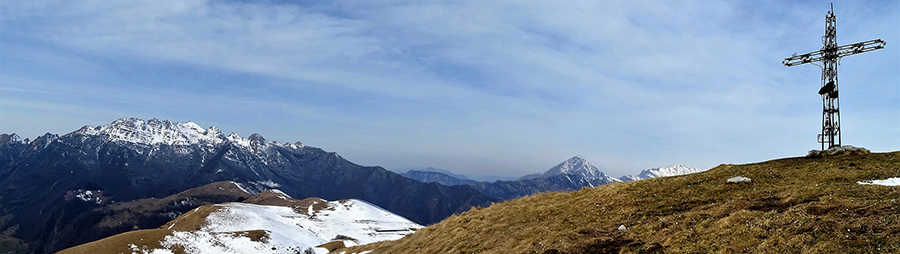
x=830 y=56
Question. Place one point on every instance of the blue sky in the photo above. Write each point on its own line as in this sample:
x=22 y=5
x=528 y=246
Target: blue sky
x=477 y=87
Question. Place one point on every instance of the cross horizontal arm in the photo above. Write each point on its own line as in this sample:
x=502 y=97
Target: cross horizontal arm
x=810 y=57
x=862 y=47
x=842 y=51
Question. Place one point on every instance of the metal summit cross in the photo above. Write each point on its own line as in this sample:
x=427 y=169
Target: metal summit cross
x=830 y=55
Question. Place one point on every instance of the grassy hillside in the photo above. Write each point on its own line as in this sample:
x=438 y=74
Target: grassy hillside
x=146 y=213
x=145 y=238
x=794 y=205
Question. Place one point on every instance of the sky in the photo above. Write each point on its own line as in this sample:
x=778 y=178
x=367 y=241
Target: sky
x=500 y=88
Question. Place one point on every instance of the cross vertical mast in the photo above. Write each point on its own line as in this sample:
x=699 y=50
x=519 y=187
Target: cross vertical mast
x=831 y=114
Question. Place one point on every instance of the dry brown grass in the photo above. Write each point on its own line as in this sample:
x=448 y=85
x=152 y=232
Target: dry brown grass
x=147 y=239
x=794 y=205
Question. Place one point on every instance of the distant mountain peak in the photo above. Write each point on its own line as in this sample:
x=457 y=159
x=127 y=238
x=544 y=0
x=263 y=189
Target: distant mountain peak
x=576 y=166
x=154 y=131
x=671 y=170
x=10 y=138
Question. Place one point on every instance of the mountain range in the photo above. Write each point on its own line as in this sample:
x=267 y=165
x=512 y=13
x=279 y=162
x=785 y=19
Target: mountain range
x=572 y=174
x=442 y=177
x=61 y=191
x=129 y=159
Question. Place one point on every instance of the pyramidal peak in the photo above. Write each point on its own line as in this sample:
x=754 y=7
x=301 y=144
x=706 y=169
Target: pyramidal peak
x=576 y=166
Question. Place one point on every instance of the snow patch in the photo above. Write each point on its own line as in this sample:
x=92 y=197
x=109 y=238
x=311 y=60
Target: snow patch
x=895 y=181
x=228 y=242
x=88 y=196
x=283 y=195
x=269 y=183
x=135 y=250
x=241 y=187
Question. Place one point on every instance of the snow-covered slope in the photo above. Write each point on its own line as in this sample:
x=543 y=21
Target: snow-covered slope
x=672 y=170
x=290 y=228
x=575 y=166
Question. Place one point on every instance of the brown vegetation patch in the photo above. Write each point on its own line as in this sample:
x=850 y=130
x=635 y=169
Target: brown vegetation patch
x=607 y=244
x=333 y=245
x=142 y=239
x=273 y=198
x=193 y=220
x=129 y=212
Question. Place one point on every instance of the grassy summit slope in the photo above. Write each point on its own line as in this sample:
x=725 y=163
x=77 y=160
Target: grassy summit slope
x=793 y=205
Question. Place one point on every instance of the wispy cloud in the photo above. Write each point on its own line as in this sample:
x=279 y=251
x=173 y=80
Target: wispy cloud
x=508 y=87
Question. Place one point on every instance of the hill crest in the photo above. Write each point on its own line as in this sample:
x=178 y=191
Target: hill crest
x=792 y=205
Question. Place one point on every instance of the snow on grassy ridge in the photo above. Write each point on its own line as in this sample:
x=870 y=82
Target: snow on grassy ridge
x=886 y=182
x=359 y=220
x=229 y=228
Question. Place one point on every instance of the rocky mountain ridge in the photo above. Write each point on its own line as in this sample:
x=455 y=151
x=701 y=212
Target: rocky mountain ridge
x=572 y=174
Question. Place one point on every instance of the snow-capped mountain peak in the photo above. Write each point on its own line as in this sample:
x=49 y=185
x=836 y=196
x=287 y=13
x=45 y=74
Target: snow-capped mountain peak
x=10 y=138
x=157 y=132
x=573 y=166
x=212 y=130
x=154 y=131
x=238 y=140
x=576 y=166
x=671 y=170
